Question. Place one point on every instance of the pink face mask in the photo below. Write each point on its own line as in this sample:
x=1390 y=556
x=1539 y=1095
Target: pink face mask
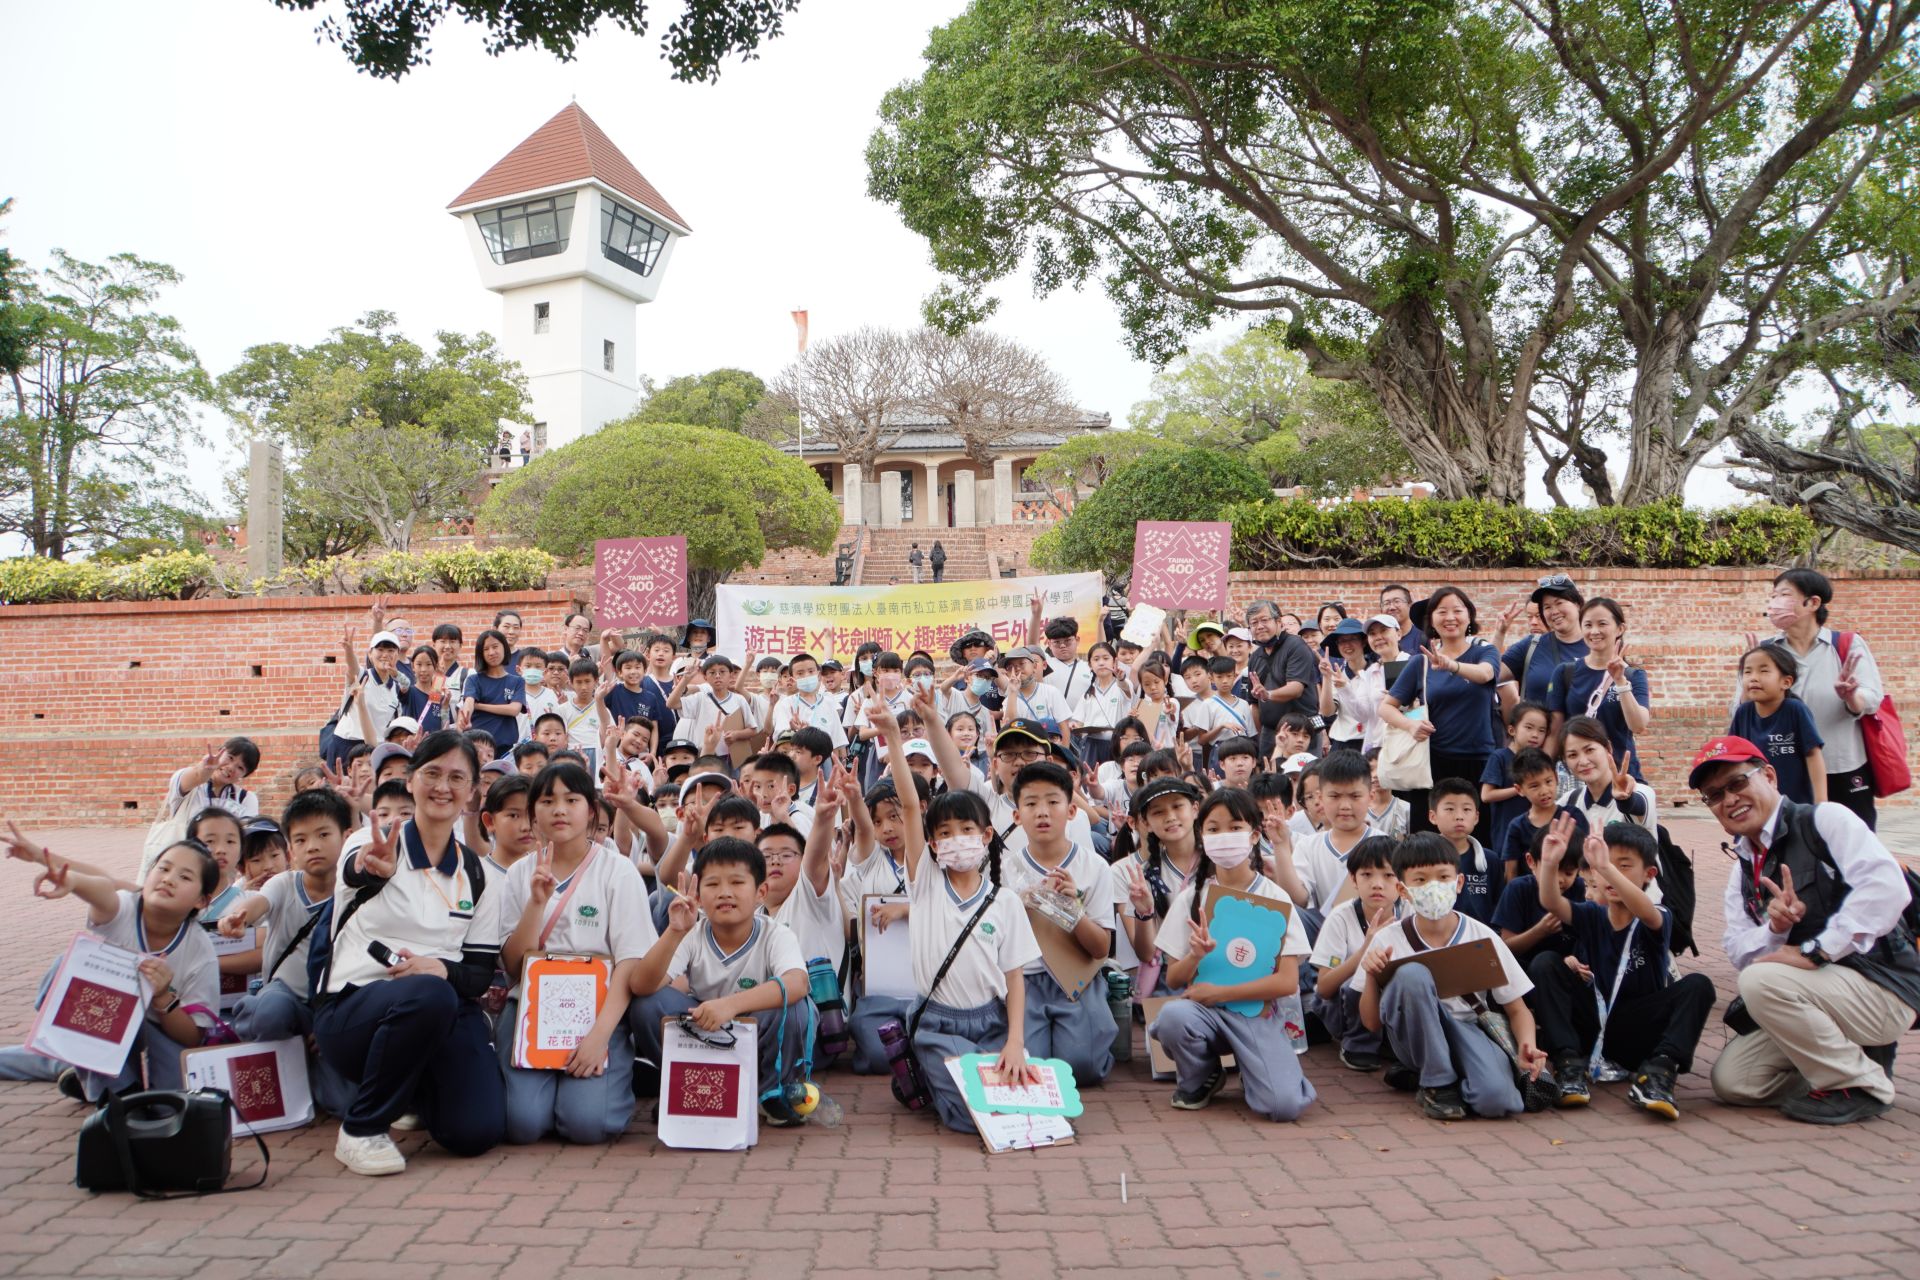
x=1227 y=848
x=1781 y=612
x=960 y=853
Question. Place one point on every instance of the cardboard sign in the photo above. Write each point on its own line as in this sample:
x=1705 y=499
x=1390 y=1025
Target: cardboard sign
x=1247 y=933
x=740 y=750
x=560 y=998
x=267 y=1082
x=1467 y=968
x=1180 y=564
x=1159 y=1061
x=640 y=582
x=1143 y=625
x=1070 y=966
x=887 y=957
x=93 y=1008
x=709 y=1094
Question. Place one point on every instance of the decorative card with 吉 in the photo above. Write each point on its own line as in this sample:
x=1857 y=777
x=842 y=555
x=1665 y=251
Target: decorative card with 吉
x=1246 y=948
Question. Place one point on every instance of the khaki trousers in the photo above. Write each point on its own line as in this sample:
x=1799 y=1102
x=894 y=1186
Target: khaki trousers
x=1813 y=1024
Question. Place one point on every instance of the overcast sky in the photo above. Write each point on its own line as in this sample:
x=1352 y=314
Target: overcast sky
x=294 y=193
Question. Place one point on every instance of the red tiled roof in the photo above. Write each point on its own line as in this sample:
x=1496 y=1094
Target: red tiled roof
x=567 y=148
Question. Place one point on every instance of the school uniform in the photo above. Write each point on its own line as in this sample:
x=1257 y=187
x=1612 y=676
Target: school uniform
x=655 y=691
x=1070 y=680
x=1786 y=736
x=1392 y=820
x=495 y=691
x=583 y=728
x=1323 y=869
x=540 y=701
x=818 y=712
x=1046 y=702
x=236 y=800
x=641 y=703
x=1078 y=1032
x=815 y=918
x=1356 y=706
x=699 y=711
x=1850 y=779
x=1518 y=838
x=279 y=1009
x=1165 y=880
x=1439 y=1038
x=1579 y=690
x=1519 y=910
x=382 y=700
x=1597 y=811
x=1012 y=835
x=784 y=1034
x=964 y=701
x=1634 y=1009
x=878 y=874
x=419 y=1044
x=968 y=1013
x=1501 y=813
x=599 y=911
x=1097 y=713
x=1342 y=935
x=1482 y=878
x=196 y=980
x=874 y=760
x=1462 y=713
x=1197 y=1036
x=1235 y=718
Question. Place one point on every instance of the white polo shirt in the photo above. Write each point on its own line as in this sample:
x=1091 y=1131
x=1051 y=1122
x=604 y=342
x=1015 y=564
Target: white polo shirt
x=1012 y=834
x=427 y=907
x=383 y=704
x=238 y=801
x=815 y=919
x=878 y=874
x=607 y=915
x=189 y=953
x=1177 y=928
x=1323 y=867
x=1092 y=878
x=1343 y=934
x=1070 y=680
x=1002 y=942
x=770 y=951
x=288 y=910
x=820 y=712
x=700 y=709
x=1393 y=941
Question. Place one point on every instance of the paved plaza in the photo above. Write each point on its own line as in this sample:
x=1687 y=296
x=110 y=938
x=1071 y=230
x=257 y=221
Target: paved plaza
x=1362 y=1186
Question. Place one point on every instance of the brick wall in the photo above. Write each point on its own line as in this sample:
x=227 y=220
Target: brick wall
x=106 y=700
x=1685 y=626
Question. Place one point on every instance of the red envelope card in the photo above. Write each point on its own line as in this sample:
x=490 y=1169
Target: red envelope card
x=256 y=1087
x=640 y=582
x=705 y=1089
x=93 y=1010
x=1181 y=564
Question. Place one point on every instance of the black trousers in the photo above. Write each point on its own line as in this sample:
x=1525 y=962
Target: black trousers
x=1450 y=766
x=1664 y=1024
x=1854 y=790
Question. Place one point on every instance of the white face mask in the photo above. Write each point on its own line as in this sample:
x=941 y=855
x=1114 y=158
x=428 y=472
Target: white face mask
x=960 y=853
x=806 y=684
x=922 y=681
x=768 y=679
x=1227 y=848
x=1434 y=899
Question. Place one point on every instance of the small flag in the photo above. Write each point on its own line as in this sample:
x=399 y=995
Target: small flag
x=800 y=325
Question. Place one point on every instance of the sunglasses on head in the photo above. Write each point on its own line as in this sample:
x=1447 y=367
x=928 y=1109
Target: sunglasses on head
x=1557 y=581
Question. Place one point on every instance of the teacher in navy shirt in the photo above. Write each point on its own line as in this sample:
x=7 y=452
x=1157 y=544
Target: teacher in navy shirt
x=1450 y=688
x=1528 y=665
x=1603 y=684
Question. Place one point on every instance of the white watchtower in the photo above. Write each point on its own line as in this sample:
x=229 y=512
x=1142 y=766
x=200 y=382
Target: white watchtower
x=571 y=237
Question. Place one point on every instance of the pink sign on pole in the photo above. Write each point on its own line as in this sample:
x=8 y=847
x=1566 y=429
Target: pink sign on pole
x=1180 y=564
x=640 y=582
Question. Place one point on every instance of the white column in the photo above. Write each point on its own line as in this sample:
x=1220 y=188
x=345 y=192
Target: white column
x=890 y=499
x=850 y=493
x=963 y=500
x=1003 y=490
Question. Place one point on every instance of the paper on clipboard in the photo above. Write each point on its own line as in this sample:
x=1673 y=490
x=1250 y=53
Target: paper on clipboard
x=233 y=986
x=1466 y=968
x=1143 y=625
x=560 y=998
x=267 y=1081
x=1000 y=1133
x=1070 y=966
x=93 y=1008
x=887 y=957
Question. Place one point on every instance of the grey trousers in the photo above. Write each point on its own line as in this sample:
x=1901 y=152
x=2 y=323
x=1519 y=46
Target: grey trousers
x=1197 y=1036
x=588 y=1110
x=1443 y=1049
x=1340 y=1015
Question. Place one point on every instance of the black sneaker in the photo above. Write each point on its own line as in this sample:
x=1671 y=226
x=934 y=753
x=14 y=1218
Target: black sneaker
x=68 y=1083
x=1199 y=1098
x=1540 y=1092
x=1652 y=1088
x=1360 y=1060
x=1576 y=1086
x=1835 y=1106
x=1882 y=1054
x=1399 y=1076
x=646 y=1078
x=1443 y=1103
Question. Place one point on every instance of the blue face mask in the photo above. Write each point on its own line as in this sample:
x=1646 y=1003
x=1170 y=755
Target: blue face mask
x=806 y=684
x=866 y=666
x=534 y=675
x=981 y=687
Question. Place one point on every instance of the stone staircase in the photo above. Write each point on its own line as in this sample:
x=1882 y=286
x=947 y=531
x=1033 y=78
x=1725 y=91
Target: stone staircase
x=888 y=550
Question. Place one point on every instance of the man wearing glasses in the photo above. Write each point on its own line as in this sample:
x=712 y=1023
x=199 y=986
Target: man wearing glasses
x=1828 y=973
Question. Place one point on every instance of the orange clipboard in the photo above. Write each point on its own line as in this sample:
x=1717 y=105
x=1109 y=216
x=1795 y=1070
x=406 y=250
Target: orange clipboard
x=526 y=1052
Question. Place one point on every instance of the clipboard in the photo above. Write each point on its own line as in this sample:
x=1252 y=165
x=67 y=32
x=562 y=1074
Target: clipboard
x=1071 y=967
x=1466 y=968
x=886 y=958
x=556 y=978
x=742 y=750
x=1148 y=713
x=1159 y=1062
x=1236 y=954
x=1011 y=1132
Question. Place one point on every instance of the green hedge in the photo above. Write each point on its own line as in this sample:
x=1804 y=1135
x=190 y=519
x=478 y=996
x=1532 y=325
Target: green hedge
x=1299 y=533
x=181 y=575
x=169 y=575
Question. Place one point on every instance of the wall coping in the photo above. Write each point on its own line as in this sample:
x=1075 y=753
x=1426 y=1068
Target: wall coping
x=289 y=604
x=1751 y=573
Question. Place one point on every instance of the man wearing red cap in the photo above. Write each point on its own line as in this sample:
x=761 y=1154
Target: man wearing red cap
x=1828 y=973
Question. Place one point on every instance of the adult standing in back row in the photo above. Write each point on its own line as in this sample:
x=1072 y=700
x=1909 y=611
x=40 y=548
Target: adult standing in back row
x=1452 y=681
x=1838 y=691
x=1286 y=667
x=1527 y=666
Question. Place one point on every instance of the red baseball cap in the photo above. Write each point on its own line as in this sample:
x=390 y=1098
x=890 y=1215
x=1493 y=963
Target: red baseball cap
x=1723 y=750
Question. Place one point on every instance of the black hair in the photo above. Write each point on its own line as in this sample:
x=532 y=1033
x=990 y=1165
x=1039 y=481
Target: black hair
x=1062 y=629
x=1194 y=659
x=480 y=648
x=888 y=660
x=1519 y=710
x=1157 y=856
x=1041 y=773
x=734 y=808
x=1222 y=667
x=391 y=789
x=1531 y=762
x=1401 y=587
x=1612 y=608
x=916 y=663
x=1628 y=835
x=447 y=631
x=545 y=716
x=566 y=774
x=1238 y=804
x=1372 y=853
x=1298 y=721
x=1441 y=593
x=359 y=749
x=1587 y=729
x=782 y=829
x=568 y=755
x=1444 y=787
x=439 y=743
x=514 y=784
x=1342 y=766
x=1133 y=749
x=1780 y=656
x=1811 y=583
x=522 y=750
x=774 y=762
x=320 y=802
x=729 y=851
x=965 y=806
x=1424 y=849
x=1200 y=781
x=582 y=667
x=426 y=651
x=507 y=613
x=209 y=866
x=1272 y=786
x=214 y=813
x=627 y=657
x=1159 y=763
x=814 y=741
x=263 y=840
x=245 y=750
x=1240 y=745
x=568 y=620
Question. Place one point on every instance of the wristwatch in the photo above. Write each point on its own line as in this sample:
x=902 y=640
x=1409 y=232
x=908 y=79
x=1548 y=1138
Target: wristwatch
x=171 y=1007
x=1811 y=950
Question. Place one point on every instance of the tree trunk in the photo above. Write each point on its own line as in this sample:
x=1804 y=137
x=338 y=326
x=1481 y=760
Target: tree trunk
x=1464 y=449
x=1657 y=466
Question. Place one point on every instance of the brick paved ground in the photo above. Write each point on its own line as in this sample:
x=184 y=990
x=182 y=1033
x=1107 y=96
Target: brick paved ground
x=1362 y=1186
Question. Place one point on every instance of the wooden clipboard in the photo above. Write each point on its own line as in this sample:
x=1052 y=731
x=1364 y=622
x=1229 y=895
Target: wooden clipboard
x=1158 y=1060
x=1148 y=713
x=1466 y=968
x=1071 y=967
x=1217 y=891
x=739 y=751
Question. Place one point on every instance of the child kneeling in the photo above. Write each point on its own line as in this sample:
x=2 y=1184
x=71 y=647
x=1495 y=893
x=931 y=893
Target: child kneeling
x=1198 y=1029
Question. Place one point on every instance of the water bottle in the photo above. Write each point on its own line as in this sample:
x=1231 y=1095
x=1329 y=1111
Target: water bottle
x=1120 y=1000
x=907 y=1086
x=830 y=1032
x=1293 y=1018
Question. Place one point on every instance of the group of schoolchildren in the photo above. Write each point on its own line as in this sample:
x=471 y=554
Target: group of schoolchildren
x=717 y=850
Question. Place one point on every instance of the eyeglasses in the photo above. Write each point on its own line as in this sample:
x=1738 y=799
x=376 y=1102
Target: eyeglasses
x=1736 y=785
x=441 y=778
x=1557 y=581
x=1018 y=755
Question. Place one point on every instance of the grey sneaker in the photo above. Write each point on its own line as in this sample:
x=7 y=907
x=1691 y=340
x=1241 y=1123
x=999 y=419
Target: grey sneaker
x=1199 y=1098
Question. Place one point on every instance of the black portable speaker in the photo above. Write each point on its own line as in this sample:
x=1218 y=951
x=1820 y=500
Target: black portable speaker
x=158 y=1142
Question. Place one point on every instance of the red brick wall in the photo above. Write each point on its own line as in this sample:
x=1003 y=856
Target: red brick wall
x=1684 y=626
x=106 y=700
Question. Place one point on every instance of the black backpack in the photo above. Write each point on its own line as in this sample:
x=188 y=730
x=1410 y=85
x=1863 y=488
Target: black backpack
x=1677 y=892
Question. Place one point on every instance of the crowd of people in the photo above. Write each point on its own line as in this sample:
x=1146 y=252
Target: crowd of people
x=712 y=837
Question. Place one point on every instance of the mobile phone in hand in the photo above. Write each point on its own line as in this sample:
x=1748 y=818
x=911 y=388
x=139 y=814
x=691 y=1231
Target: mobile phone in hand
x=383 y=953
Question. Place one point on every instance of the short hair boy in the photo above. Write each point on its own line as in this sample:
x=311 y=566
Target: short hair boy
x=1322 y=856
x=1293 y=734
x=1537 y=780
x=1529 y=929
x=1235 y=758
x=530 y=757
x=1348 y=931
x=1453 y=807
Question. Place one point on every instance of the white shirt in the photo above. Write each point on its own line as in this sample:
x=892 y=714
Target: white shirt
x=1342 y=936
x=1069 y=679
x=1356 y=706
x=1044 y=703
x=1877 y=892
x=539 y=702
x=1213 y=711
x=1466 y=929
x=1301 y=826
x=702 y=709
x=1103 y=709
x=288 y=910
x=1092 y=878
x=1391 y=821
x=607 y=915
x=961 y=701
x=1001 y=806
x=383 y=704
x=815 y=918
x=1599 y=813
x=1002 y=942
x=419 y=909
x=490 y=918
x=189 y=953
x=878 y=874
x=238 y=801
x=1322 y=867
x=819 y=711
x=1177 y=928
x=769 y=952
x=583 y=725
x=798 y=816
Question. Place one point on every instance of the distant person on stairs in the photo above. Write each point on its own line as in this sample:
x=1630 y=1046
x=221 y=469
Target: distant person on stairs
x=939 y=562
x=917 y=559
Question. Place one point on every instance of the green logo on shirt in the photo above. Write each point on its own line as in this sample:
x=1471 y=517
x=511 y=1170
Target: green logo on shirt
x=466 y=904
x=986 y=927
x=588 y=913
x=745 y=983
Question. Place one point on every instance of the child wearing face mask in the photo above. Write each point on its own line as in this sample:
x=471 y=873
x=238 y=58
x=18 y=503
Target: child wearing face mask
x=1447 y=1053
x=1199 y=1028
x=540 y=699
x=967 y=694
x=889 y=687
x=808 y=706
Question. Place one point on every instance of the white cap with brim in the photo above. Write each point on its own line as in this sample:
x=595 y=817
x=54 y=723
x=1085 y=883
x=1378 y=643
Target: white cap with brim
x=921 y=747
x=383 y=638
x=720 y=780
x=1386 y=620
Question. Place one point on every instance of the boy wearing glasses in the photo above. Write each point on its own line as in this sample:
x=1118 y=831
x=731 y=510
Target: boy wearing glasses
x=1817 y=925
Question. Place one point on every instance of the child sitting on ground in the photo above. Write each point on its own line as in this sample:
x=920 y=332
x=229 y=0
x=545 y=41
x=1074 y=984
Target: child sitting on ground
x=1529 y=929
x=1348 y=931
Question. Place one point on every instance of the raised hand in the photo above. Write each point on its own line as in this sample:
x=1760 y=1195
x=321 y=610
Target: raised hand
x=683 y=913
x=1847 y=685
x=377 y=857
x=541 y=884
x=1199 y=942
x=710 y=740
x=1381 y=919
x=1559 y=835
x=234 y=922
x=1513 y=613
x=1139 y=893
x=19 y=846
x=924 y=706
x=880 y=716
x=1617 y=665
x=1623 y=784
x=1440 y=661
x=1784 y=908
x=211 y=760
x=1595 y=850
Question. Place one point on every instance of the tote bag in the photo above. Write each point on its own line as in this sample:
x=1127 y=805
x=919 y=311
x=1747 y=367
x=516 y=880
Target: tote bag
x=1406 y=762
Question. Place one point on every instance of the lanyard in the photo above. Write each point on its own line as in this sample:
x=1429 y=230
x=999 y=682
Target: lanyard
x=559 y=908
x=433 y=879
x=1619 y=976
x=1230 y=711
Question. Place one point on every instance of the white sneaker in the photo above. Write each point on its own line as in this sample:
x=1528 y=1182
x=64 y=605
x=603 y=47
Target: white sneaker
x=373 y=1156
x=406 y=1123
